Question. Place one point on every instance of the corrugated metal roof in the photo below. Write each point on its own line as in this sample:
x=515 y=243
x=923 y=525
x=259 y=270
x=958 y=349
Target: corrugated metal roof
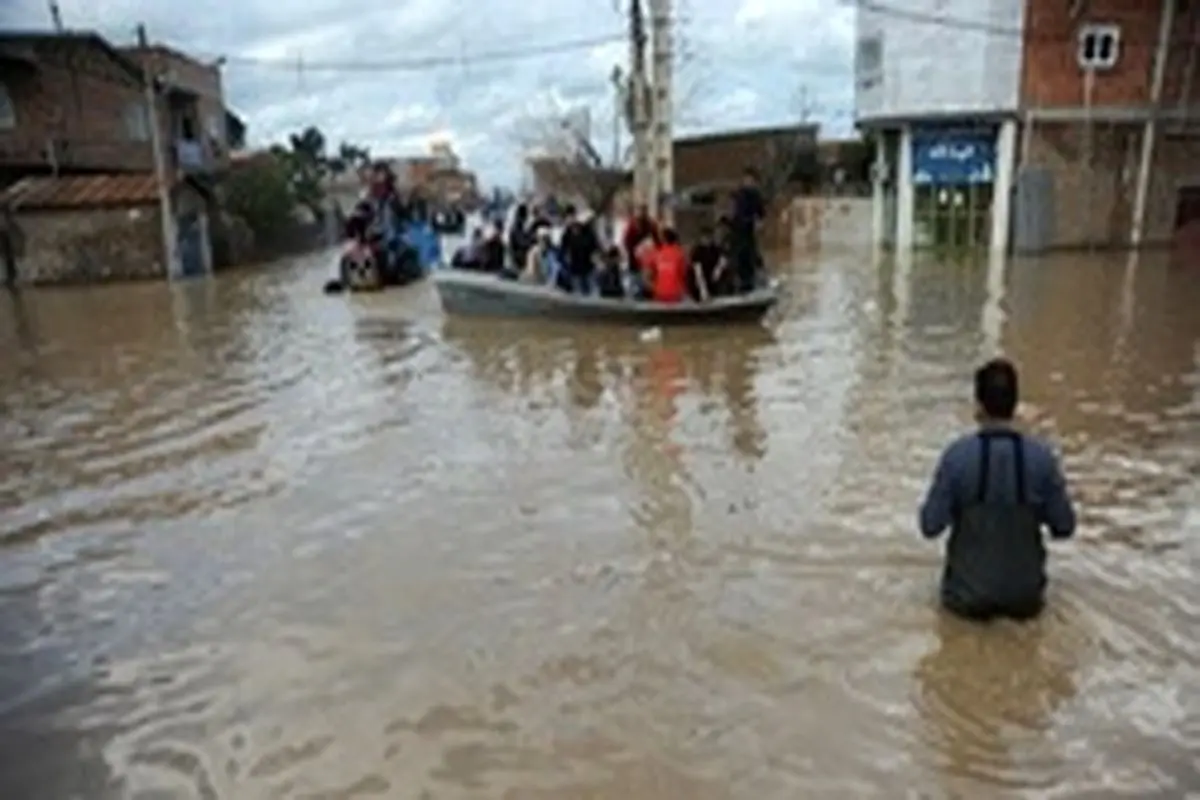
x=80 y=192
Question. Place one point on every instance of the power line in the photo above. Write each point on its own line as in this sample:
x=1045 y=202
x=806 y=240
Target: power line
x=432 y=62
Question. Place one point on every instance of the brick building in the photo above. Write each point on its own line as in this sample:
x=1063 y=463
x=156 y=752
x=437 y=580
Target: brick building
x=72 y=104
x=1042 y=123
x=100 y=227
x=193 y=117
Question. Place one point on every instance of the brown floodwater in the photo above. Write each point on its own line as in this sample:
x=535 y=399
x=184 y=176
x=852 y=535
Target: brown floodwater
x=256 y=542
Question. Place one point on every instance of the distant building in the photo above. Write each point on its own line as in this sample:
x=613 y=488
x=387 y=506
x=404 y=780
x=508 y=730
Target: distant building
x=1023 y=122
x=440 y=175
x=709 y=167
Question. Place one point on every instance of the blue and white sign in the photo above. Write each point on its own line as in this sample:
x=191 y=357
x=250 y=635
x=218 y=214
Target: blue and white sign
x=953 y=158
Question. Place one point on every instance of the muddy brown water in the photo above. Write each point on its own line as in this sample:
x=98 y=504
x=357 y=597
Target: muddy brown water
x=260 y=543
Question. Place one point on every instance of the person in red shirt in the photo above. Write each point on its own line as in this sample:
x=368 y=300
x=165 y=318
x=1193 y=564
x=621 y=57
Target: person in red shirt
x=668 y=279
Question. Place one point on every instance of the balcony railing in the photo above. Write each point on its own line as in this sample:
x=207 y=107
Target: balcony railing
x=191 y=156
x=195 y=157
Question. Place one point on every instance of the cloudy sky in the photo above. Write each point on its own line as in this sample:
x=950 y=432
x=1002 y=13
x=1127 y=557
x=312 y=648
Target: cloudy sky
x=395 y=74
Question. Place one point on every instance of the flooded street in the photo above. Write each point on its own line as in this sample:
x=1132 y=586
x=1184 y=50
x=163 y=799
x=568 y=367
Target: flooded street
x=262 y=543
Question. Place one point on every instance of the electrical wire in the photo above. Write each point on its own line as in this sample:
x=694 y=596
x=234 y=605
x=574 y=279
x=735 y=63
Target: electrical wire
x=689 y=20
x=431 y=62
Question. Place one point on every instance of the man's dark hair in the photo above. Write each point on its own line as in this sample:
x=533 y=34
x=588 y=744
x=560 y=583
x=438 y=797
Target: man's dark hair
x=996 y=388
x=569 y=210
x=670 y=236
x=751 y=173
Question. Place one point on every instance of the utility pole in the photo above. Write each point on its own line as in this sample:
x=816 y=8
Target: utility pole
x=1150 y=130
x=619 y=99
x=639 y=90
x=805 y=106
x=663 y=131
x=159 y=156
x=56 y=17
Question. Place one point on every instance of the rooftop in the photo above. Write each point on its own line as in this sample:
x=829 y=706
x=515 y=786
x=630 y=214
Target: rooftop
x=80 y=192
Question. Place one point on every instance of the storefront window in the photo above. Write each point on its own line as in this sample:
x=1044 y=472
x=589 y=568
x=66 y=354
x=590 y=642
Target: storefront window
x=953 y=173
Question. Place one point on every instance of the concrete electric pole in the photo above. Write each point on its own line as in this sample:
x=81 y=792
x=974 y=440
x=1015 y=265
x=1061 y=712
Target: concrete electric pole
x=639 y=113
x=619 y=105
x=663 y=113
x=162 y=178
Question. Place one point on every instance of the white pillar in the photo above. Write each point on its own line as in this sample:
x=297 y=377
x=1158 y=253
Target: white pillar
x=1002 y=188
x=991 y=320
x=905 y=235
x=1150 y=131
x=878 y=197
x=902 y=284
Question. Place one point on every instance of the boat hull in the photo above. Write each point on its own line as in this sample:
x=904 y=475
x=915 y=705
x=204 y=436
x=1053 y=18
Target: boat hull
x=480 y=295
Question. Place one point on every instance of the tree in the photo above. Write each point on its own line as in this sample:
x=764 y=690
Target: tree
x=789 y=159
x=565 y=161
x=308 y=166
x=260 y=193
x=349 y=156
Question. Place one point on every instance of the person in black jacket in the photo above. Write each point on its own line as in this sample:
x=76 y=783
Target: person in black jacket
x=580 y=247
x=746 y=216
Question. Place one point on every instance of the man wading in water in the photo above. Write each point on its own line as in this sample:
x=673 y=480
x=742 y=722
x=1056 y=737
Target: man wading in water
x=748 y=212
x=996 y=489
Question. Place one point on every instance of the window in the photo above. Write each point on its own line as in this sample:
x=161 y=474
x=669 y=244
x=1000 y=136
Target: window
x=137 y=122
x=1099 y=46
x=868 y=62
x=8 y=113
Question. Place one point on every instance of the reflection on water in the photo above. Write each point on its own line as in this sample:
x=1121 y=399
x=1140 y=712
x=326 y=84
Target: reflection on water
x=258 y=542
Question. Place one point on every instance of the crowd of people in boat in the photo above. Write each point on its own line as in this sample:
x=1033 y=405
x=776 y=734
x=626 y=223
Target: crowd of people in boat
x=381 y=229
x=647 y=261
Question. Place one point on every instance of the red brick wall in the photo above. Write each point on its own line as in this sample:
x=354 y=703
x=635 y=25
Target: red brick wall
x=1184 y=37
x=720 y=159
x=1051 y=76
x=83 y=107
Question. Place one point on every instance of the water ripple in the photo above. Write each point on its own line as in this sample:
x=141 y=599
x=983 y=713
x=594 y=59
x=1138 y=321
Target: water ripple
x=258 y=542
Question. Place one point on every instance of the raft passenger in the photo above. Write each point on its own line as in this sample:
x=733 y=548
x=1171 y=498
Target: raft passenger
x=668 y=272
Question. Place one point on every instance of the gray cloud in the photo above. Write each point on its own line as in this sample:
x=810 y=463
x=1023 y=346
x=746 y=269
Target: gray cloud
x=325 y=63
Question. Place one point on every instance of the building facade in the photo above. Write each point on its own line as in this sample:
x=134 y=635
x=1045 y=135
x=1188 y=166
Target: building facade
x=73 y=103
x=1029 y=125
x=99 y=228
x=192 y=113
x=69 y=103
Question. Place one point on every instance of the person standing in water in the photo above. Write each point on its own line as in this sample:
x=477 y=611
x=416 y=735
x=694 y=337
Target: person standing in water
x=746 y=216
x=996 y=489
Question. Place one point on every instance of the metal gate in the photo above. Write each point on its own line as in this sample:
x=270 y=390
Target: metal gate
x=1033 y=211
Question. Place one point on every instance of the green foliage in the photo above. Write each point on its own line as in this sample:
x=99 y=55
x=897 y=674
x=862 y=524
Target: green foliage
x=350 y=156
x=308 y=165
x=265 y=191
x=260 y=193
